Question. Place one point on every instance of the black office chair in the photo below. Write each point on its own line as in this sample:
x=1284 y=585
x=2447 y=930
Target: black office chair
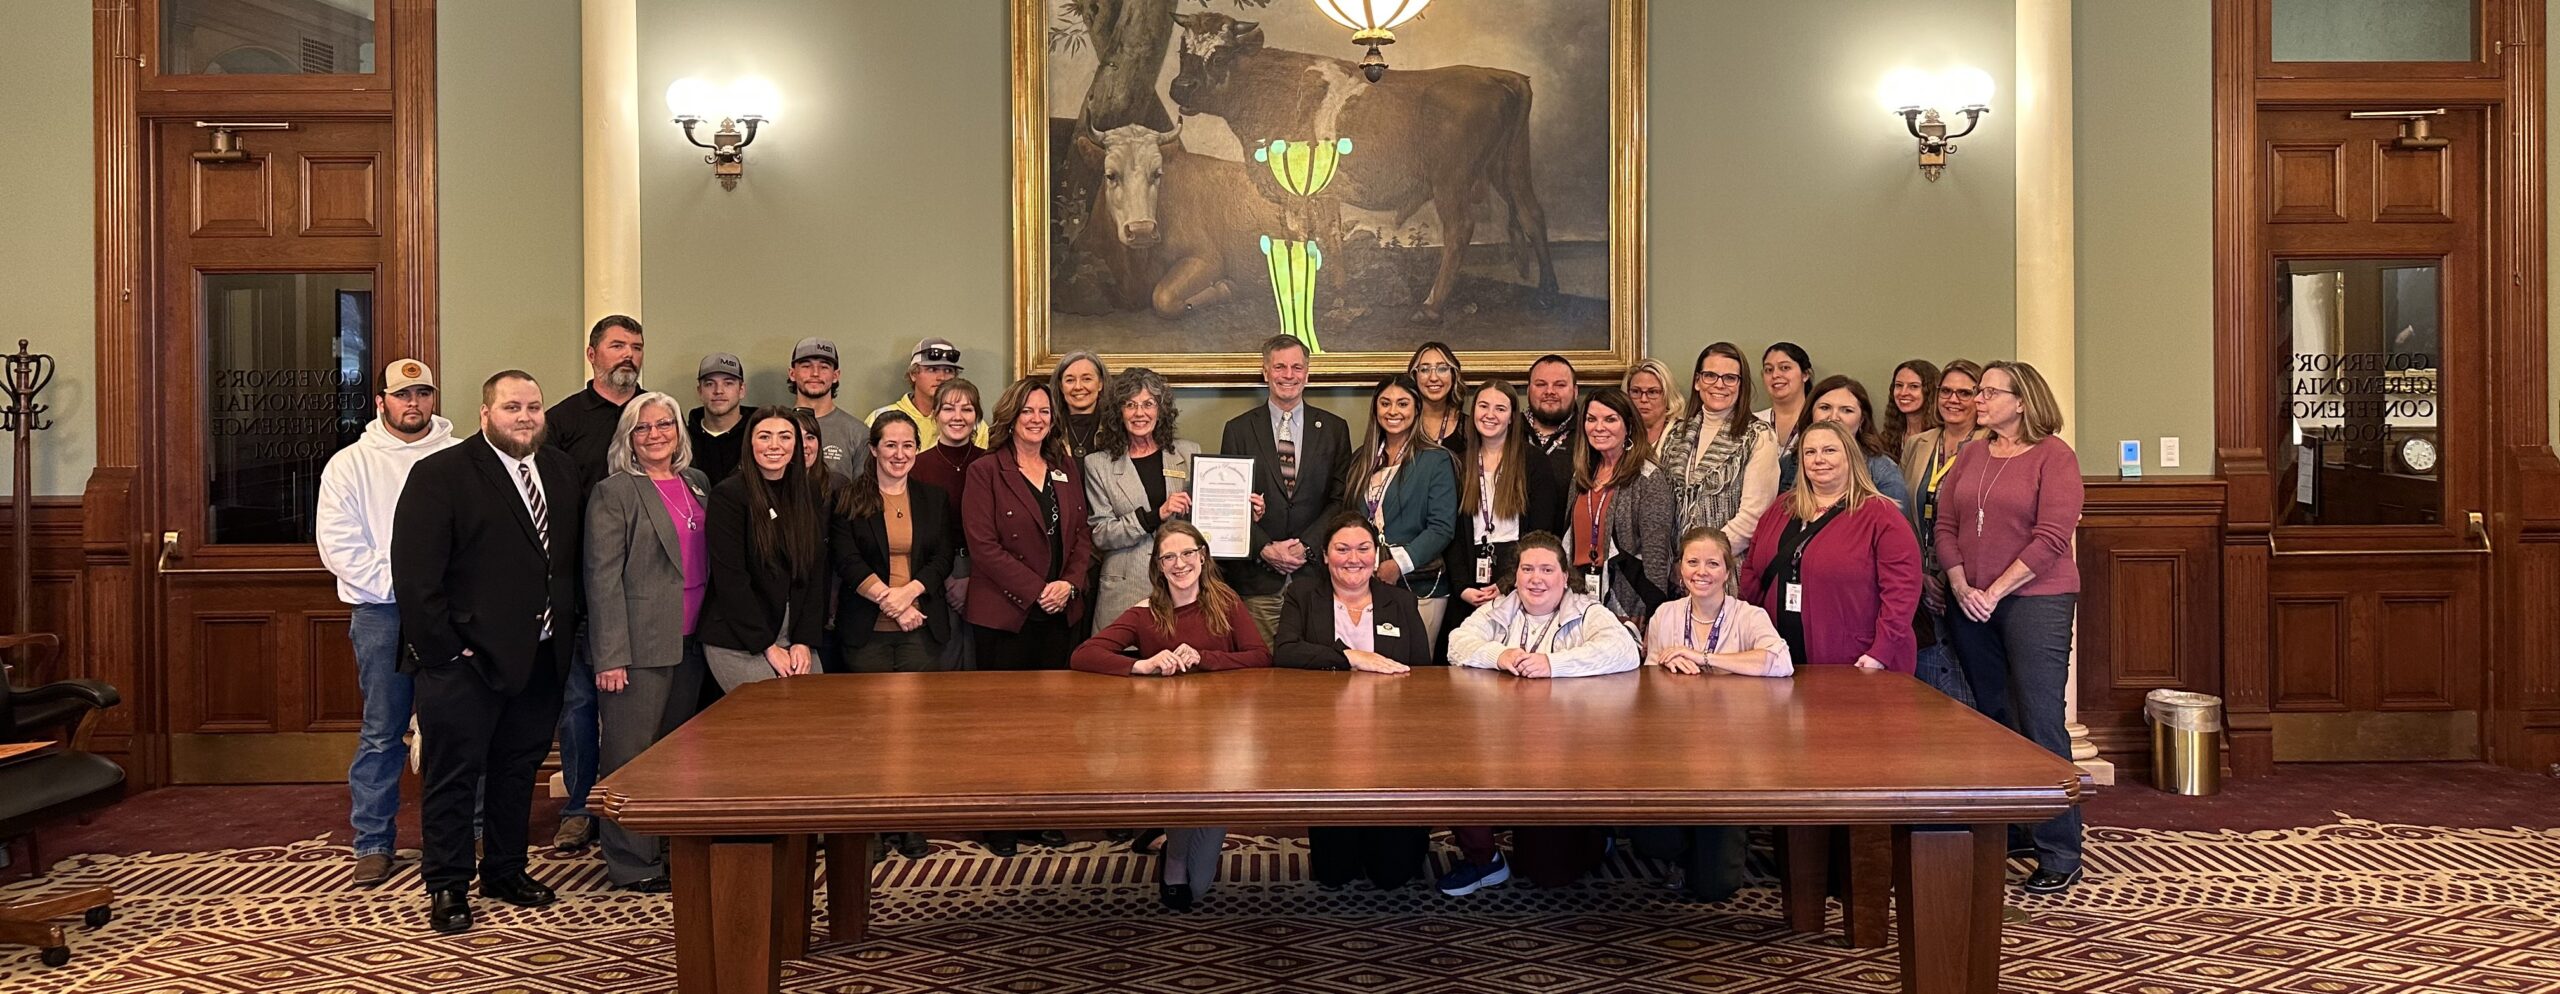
x=50 y=785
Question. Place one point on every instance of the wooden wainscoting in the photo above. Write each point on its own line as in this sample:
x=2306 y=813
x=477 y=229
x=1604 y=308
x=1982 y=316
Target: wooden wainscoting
x=55 y=563
x=2150 y=602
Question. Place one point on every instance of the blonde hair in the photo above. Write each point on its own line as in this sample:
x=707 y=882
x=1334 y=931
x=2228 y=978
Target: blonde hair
x=2040 y=413
x=1801 y=501
x=1674 y=404
x=622 y=458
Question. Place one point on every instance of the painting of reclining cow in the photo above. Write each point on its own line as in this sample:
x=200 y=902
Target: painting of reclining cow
x=1194 y=176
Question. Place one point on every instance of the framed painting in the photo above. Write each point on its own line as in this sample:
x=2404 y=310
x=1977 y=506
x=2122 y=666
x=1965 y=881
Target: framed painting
x=1192 y=177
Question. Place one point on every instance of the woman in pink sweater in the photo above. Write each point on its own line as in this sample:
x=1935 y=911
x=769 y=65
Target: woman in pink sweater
x=1834 y=563
x=1191 y=621
x=2006 y=514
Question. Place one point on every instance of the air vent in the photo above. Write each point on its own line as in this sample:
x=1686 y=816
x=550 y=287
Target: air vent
x=318 y=56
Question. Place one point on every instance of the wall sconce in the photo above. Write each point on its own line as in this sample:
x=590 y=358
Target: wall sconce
x=751 y=101
x=1919 y=97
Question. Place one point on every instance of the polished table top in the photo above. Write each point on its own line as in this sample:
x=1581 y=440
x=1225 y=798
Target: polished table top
x=985 y=750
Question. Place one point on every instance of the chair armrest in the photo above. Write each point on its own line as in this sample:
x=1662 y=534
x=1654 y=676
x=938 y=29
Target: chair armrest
x=39 y=638
x=99 y=694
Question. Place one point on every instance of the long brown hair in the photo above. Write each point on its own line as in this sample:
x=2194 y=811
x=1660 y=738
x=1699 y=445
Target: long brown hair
x=1217 y=600
x=782 y=515
x=1870 y=439
x=1009 y=408
x=1734 y=427
x=1459 y=395
x=1511 y=482
x=1639 y=454
x=862 y=499
x=1370 y=460
x=1896 y=427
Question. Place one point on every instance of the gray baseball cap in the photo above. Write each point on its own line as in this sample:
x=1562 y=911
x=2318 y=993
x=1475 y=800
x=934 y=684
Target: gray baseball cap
x=937 y=352
x=722 y=364
x=815 y=348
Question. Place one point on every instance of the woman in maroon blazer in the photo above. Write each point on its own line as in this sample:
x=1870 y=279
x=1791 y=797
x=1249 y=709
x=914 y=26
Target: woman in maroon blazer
x=1834 y=563
x=1030 y=550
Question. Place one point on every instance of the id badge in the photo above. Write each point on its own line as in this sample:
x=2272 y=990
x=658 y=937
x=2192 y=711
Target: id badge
x=1590 y=582
x=1484 y=569
x=1795 y=597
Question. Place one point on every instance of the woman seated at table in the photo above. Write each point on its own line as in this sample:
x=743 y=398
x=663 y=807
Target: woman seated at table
x=1835 y=563
x=1542 y=629
x=766 y=534
x=1708 y=631
x=1350 y=621
x=1190 y=622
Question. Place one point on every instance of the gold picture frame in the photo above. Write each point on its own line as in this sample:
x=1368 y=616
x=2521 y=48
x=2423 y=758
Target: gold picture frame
x=1036 y=352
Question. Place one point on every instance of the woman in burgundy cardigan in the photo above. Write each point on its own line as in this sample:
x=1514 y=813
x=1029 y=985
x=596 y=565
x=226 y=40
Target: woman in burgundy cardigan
x=2006 y=514
x=1834 y=563
x=1190 y=622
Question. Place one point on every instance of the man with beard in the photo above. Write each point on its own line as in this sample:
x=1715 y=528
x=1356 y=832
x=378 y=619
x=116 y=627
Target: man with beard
x=721 y=381
x=1555 y=418
x=485 y=550
x=359 y=491
x=583 y=426
x=844 y=443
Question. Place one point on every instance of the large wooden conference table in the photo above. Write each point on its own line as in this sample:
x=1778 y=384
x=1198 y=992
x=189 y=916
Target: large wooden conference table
x=743 y=788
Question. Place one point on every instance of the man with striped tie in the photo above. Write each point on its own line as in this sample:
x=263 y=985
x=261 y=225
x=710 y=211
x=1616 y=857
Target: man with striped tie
x=1298 y=451
x=485 y=550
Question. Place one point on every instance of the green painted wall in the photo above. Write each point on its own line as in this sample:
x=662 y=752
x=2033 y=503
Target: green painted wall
x=46 y=249
x=2143 y=169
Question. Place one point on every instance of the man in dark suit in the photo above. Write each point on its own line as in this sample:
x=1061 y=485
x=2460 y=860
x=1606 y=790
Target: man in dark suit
x=484 y=563
x=1298 y=450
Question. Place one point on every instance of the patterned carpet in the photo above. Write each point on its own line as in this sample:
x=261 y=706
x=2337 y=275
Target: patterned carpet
x=2353 y=907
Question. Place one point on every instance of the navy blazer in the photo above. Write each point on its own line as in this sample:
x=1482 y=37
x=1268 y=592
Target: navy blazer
x=1305 y=638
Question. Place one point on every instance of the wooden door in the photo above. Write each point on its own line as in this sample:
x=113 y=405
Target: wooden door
x=2375 y=249
x=269 y=279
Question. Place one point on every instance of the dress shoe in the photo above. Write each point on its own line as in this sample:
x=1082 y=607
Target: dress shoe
x=1176 y=897
x=2045 y=881
x=650 y=885
x=576 y=833
x=1148 y=843
x=1003 y=845
x=1053 y=838
x=913 y=845
x=373 y=868
x=449 y=911
x=518 y=888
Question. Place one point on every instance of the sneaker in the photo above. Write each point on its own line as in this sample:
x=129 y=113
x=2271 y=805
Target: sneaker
x=1469 y=878
x=373 y=868
x=2048 y=882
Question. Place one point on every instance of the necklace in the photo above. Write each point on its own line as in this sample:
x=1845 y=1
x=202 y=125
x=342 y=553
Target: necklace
x=1982 y=497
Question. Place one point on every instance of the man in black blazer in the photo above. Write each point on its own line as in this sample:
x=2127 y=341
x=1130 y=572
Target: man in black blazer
x=1294 y=504
x=485 y=553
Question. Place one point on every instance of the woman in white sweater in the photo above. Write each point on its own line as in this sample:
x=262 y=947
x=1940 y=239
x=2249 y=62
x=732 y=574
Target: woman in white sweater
x=1541 y=629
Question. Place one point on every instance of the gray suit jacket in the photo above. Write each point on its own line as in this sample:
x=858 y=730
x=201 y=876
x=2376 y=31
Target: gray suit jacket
x=635 y=573
x=1116 y=500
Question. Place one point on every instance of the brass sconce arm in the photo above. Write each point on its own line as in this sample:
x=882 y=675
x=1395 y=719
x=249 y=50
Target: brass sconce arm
x=1935 y=143
x=728 y=145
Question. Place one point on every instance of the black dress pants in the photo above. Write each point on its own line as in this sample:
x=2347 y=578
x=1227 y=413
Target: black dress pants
x=1388 y=857
x=481 y=747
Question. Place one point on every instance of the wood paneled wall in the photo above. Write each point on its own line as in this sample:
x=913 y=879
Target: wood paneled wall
x=2150 y=602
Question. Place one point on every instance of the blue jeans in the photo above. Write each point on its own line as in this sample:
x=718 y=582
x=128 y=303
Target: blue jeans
x=2028 y=642
x=1939 y=669
x=578 y=730
x=373 y=780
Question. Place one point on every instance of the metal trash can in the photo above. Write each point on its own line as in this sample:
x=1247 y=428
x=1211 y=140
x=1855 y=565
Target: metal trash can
x=2186 y=741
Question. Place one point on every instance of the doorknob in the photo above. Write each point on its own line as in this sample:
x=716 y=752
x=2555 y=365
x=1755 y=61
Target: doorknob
x=168 y=548
x=2480 y=533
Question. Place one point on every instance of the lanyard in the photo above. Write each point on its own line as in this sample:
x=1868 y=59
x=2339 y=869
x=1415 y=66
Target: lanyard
x=1553 y=623
x=1484 y=507
x=1600 y=516
x=1689 y=629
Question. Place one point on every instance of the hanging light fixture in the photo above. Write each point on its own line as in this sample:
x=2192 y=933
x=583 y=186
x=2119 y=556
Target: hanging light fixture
x=1372 y=23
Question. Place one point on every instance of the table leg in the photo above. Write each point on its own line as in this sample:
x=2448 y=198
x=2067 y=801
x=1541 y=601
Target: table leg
x=1868 y=892
x=848 y=887
x=1949 y=878
x=728 y=935
x=1806 y=876
x=791 y=901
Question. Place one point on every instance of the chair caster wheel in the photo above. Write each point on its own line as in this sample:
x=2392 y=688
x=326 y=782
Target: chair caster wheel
x=57 y=955
x=99 y=916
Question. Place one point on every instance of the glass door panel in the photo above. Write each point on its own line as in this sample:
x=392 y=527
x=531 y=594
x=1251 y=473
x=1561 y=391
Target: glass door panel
x=285 y=366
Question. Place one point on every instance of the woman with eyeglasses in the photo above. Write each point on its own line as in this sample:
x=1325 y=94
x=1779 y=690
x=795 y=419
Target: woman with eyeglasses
x=1351 y=620
x=1841 y=399
x=1080 y=381
x=2005 y=524
x=1505 y=494
x=1443 y=382
x=1835 y=564
x=1622 y=515
x=1914 y=410
x=1721 y=461
x=1406 y=485
x=648 y=565
x=1137 y=478
x=766 y=607
x=1649 y=385
x=1191 y=622
x=1926 y=459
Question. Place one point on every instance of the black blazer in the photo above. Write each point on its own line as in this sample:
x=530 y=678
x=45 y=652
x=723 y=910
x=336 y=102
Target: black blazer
x=743 y=610
x=470 y=571
x=861 y=551
x=1305 y=638
x=1322 y=455
x=1545 y=513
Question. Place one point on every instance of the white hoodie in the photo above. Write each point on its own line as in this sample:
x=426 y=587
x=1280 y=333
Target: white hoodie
x=358 y=493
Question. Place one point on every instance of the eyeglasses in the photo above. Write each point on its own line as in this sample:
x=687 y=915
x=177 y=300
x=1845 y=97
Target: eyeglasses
x=652 y=428
x=1643 y=392
x=1147 y=405
x=1721 y=379
x=938 y=353
x=1979 y=391
x=1951 y=393
x=1172 y=559
x=1434 y=368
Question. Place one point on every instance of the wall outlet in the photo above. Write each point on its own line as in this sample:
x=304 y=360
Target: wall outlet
x=2168 y=452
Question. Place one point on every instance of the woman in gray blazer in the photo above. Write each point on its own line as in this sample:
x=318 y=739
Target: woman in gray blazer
x=647 y=568
x=1137 y=477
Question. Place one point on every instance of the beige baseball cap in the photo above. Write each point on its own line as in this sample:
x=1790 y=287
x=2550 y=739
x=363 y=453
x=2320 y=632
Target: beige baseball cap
x=405 y=373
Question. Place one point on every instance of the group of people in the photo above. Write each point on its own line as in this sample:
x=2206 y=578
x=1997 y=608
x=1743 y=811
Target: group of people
x=659 y=556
